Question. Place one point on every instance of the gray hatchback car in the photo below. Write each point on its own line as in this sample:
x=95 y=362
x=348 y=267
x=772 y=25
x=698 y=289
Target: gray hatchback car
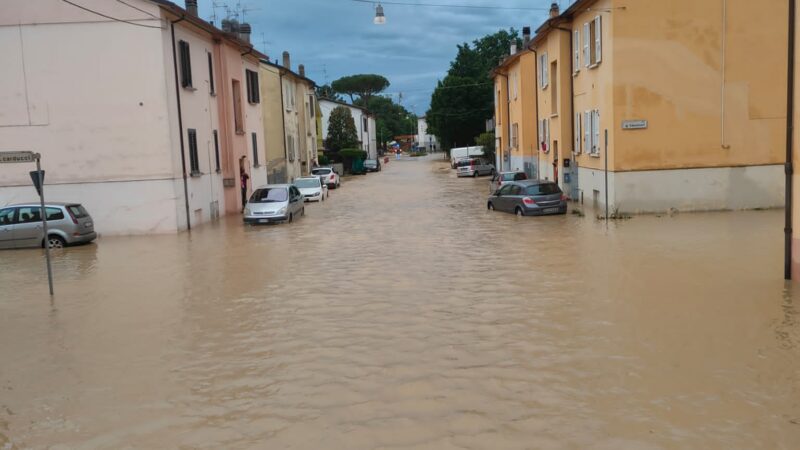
x=274 y=203
x=529 y=198
x=67 y=224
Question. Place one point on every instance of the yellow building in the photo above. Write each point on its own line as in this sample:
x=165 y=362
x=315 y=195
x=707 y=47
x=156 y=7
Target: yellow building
x=691 y=96
x=272 y=112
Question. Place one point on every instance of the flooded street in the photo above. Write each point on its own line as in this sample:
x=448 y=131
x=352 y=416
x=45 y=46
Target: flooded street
x=402 y=314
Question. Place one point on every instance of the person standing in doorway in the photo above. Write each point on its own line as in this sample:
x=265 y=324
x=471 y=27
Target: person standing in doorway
x=244 y=177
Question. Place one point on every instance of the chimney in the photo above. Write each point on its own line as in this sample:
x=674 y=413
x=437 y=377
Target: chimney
x=244 y=32
x=191 y=7
x=286 y=61
x=513 y=48
x=301 y=69
x=526 y=36
x=554 y=11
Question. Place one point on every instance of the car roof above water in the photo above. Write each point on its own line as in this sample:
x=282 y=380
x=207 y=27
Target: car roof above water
x=45 y=204
x=274 y=186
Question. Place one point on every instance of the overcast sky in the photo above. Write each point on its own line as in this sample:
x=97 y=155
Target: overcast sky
x=333 y=38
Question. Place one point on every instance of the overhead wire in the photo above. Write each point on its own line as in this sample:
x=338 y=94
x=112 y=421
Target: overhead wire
x=110 y=17
x=440 y=5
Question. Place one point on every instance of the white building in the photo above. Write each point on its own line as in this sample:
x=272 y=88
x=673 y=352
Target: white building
x=146 y=122
x=365 y=124
x=423 y=138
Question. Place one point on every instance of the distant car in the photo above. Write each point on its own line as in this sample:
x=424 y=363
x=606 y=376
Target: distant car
x=328 y=175
x=372 y=165
x=312 y=188
x=529 y=198
x=67 y=224
x=499 y=179
x=473 y=167
x=274 y=203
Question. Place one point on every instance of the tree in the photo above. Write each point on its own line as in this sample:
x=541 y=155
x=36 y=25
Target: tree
x=327 y=92
x=463 y=100
x=391 y=119
x=487 y=141
x=362 y=85
x=341 y=130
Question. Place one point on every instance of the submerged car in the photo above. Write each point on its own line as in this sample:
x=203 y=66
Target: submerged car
x=501 y=178
x=312 y=188
x=473 y=167
x=372 y=165
x=274 y=203
x=328 y=176
x=67 y=224
x=529 y=198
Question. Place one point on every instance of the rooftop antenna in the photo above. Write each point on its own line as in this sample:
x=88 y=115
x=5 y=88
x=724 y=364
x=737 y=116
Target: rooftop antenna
x=245 y=9
x=214 y=7
x=264 y=43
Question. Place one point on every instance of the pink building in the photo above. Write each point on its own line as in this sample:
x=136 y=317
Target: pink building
x=142 y=111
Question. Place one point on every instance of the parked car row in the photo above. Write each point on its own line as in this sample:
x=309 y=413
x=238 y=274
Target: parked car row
x=21 y=225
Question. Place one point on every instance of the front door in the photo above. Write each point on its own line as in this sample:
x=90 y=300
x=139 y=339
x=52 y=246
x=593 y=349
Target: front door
x=7 y=228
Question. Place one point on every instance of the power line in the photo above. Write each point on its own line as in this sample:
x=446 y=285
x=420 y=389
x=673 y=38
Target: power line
x=439 y=5
x=139 y=9
x=109 y=17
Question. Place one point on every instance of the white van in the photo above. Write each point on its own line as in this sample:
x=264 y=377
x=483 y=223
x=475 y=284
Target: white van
x=463 y=152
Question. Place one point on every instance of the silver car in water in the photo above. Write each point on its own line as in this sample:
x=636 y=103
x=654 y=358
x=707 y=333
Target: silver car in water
x=67 y=224
x=274 y=203
x=529 y=198
x=473 y=167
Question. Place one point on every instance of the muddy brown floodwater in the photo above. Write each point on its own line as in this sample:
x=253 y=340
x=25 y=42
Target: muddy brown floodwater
x=402 y=314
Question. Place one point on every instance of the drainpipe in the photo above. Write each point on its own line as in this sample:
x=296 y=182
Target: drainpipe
x=283 y=126
x=789 y=167
x=536 y=103
x=572 y=93
x=722 y=88
x=508 y=123
x=180 y=124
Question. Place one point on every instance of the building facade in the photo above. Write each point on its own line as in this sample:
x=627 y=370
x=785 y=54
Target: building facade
x=364 y=121
x=691 y=123
x=424 y=139
x=143 y=140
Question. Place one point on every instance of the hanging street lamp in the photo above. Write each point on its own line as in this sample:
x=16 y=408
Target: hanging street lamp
x=380 y=18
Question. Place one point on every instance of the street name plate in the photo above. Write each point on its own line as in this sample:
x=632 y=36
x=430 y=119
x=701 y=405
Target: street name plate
x=634 y=124
x=17 y=157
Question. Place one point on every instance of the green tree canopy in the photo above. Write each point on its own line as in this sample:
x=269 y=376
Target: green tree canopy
x=463 y=100
x=326 y=91
x=362 y=85
x=341 y=130
x=391 y=119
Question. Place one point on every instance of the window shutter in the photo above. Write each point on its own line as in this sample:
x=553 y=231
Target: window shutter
x=587 y=130
x=596 y=129
x=547 y=134
x=576 y=52
x=577 y=131
x=541 y=133
x=598 y=39
x=587 y=60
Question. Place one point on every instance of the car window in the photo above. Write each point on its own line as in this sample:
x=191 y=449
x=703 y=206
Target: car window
x=515 y=190
x=321 y=171
x=543 y=189
x=306 y=183
x=505 y=189
x=6 y=216
x=29 y=214
x=520 y=176
x=54 y=213
x=78 y=211
x=508 y=177
x=269 y=195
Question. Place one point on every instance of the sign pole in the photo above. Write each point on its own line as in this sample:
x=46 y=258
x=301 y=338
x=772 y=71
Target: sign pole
x=44 y=223
x=606 y=170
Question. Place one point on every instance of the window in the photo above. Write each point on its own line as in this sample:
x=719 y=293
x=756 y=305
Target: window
x=576 y=52
x=216 y=151
x=592 y=132
x=543 y=68
x=6 y=216
x=270 y=195
x=78 y=211
x=288 y=92
x=596 y=132
x=577 y=133
x=587 y=132
x=253 y=95
x=514 y=85
x=212 y=88
x=254 y=138
x=290 y=147
x=31 y=214
x=54 y=214
x=366 y=125
x=593 y=42
x=544 y=135
x=515 y=190
x=238 y=120
x=554 y=89
x=186 y=64
x=515 y=135
x=194 y=161
x=311 y=106
x=543 y=189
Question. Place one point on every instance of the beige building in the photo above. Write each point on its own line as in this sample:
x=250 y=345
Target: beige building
x=299 y=116
x=693 y=105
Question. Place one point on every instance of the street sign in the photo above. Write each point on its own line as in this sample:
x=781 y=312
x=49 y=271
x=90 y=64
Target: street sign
x=37 y=180
x=17 y=157
x=634 y=124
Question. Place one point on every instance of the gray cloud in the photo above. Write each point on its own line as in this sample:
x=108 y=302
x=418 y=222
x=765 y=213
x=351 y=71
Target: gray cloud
x=333 y=38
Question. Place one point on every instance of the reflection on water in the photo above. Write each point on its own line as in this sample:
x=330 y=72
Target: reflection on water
x=402 y=314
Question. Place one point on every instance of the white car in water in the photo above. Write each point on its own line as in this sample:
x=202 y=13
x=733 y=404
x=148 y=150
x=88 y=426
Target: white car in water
x=312 y=188
x=328 y=176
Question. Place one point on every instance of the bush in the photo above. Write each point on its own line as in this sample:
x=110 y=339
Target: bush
x=352 y=153
x=323 y=160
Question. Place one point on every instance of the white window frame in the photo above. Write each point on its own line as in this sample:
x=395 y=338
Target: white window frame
x=587 y=132
x=544 y=68
x=544 y=135
x=577 y=130
x=576 y=52
x=598 y=40
x=514 y=84
x=593 y=132
x=515 y=135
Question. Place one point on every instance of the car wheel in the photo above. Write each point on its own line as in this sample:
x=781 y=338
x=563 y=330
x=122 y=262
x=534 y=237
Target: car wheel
x=56 y=241
x=475 y=174
x=490 y=207
x=519 y=212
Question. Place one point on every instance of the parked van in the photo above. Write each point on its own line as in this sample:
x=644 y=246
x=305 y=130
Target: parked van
x=463 y=152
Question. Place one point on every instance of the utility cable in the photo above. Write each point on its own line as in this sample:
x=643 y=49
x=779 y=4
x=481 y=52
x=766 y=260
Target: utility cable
x=439 y=5
x=109 y=17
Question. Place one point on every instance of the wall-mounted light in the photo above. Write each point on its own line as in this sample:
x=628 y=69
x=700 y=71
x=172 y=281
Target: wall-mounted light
x=380 y=18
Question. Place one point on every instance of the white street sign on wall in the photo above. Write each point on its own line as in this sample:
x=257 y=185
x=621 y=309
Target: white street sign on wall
x=634 y=124
x=17 y=157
